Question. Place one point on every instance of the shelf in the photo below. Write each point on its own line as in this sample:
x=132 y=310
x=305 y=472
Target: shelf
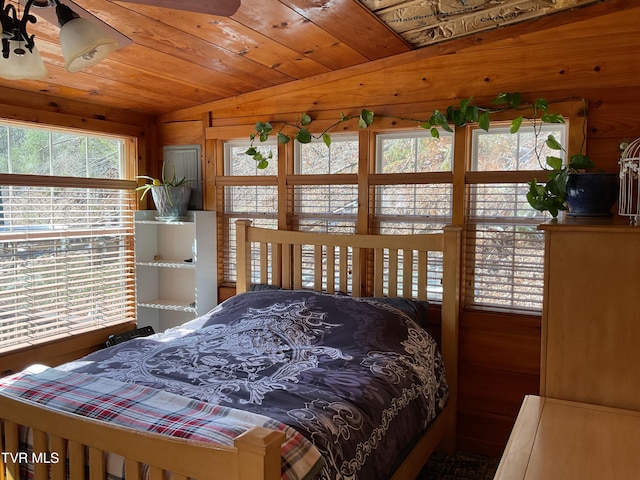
x=148 y=217
x=157 y=222
x=167 y=264
x=163 y=275
x=168 y=304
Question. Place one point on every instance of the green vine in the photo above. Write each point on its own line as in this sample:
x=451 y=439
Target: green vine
x=547 y=196
x=303 y=135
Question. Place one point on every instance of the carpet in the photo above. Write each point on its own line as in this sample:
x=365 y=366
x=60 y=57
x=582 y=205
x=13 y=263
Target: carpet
x=459 y=466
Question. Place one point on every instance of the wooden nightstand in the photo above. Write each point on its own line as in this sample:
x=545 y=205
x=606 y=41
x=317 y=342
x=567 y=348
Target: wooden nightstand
x=562 y=440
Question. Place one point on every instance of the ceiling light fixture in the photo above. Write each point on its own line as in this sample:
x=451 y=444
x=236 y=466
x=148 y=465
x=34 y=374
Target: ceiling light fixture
x=83 y=43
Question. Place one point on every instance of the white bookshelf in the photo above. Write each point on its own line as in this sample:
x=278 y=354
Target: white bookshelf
x=176 y=278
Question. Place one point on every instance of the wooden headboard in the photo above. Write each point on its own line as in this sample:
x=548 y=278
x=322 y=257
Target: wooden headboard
x=336 y=257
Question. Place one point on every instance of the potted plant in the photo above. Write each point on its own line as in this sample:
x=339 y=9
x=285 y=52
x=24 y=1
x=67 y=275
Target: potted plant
x=171 y=196
x=552 y=195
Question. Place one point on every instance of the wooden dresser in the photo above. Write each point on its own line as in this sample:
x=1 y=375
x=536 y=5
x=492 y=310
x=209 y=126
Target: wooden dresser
x=586 y=423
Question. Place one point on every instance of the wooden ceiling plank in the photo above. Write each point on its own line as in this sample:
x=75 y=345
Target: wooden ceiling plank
x=352 y=24
x=163 y=66
x=238 y=39
x=167 y=67
x=411 y=80
x=132 y=76
x=287 y=27
x=93 y=88
x=53 y=105
x=156 y=35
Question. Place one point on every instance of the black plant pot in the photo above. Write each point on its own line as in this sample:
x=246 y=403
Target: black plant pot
x=591 y=194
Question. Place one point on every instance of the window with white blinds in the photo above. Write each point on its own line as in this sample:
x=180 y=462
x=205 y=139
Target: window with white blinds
x=66 y=242
x=328 y=205
x=248 y=198
x=326 y=208
x=425 y=202
x=504 y=249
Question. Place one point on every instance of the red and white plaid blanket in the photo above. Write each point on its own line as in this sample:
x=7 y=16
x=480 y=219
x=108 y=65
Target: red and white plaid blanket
x=156 y=411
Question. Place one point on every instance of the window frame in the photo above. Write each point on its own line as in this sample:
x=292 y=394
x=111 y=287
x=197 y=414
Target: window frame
x=127 y=184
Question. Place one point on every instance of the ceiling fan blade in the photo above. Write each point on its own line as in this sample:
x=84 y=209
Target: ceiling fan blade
x=223 y=8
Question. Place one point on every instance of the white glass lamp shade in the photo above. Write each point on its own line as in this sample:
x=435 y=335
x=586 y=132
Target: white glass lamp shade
x=84 y=44
x=22 y=67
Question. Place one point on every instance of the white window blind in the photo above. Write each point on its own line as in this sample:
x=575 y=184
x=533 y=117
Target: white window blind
x=504 y=249
x=258 y=203
x=66 y=262
x=505 y=259
x=411 y=209
x=329 y=205
x=425 y=202
x=66 y=234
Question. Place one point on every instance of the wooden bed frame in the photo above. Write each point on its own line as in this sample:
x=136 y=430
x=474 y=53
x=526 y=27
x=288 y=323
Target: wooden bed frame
x=255 y=454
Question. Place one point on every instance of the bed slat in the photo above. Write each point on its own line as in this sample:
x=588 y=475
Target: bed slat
x=11 y=444
x=378 y=272
x=393 y=272
x=132 y=470
x=96 y=464
x=343 y=268
x=40 y=469
x=264 y=266
x=331 y=270
x=287 y=265
x=407 y=273
x=59 y=469
x=317 y=272
x=156 y=473
x=423 y=268
x=356 y=281
x=276 y=260
x=76 y=461
x=297 y=266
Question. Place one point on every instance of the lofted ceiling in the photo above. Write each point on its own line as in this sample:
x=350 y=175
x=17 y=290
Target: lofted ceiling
x=176 y=59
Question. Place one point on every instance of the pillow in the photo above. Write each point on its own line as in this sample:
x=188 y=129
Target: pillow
x=258 y=287
x=416 y=309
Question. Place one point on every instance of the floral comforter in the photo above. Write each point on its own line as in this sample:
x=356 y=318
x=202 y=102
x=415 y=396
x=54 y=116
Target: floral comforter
x=357 y=377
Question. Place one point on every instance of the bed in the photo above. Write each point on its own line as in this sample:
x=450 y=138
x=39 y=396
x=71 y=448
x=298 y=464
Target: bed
x=203 y=434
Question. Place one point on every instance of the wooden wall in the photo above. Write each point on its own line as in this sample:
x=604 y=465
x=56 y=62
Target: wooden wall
x=590 y=53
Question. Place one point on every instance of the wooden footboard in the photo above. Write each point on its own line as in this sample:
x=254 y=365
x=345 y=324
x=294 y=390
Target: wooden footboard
x=255 y=455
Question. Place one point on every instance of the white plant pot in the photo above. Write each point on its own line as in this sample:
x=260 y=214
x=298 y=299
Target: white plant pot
x=171 y=202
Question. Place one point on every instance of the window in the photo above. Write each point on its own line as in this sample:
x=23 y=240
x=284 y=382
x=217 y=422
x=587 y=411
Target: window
x=325 y=197
x=249 y=194
x=402 y=181
x=325 y=192
x=413 y=194
x=66 y=234
x=505 y=251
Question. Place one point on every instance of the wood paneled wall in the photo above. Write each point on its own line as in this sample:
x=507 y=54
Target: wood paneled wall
x=589 y=53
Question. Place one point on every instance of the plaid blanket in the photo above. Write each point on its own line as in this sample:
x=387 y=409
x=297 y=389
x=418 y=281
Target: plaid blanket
x=156 y=411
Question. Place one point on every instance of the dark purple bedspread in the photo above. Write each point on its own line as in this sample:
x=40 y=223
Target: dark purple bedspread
x=359 y=378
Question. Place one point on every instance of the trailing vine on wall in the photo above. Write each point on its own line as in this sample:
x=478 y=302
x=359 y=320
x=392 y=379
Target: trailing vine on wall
x=549 y=195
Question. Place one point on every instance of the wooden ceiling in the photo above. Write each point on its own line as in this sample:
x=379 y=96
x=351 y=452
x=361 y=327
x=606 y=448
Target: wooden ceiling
x=178 y=59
